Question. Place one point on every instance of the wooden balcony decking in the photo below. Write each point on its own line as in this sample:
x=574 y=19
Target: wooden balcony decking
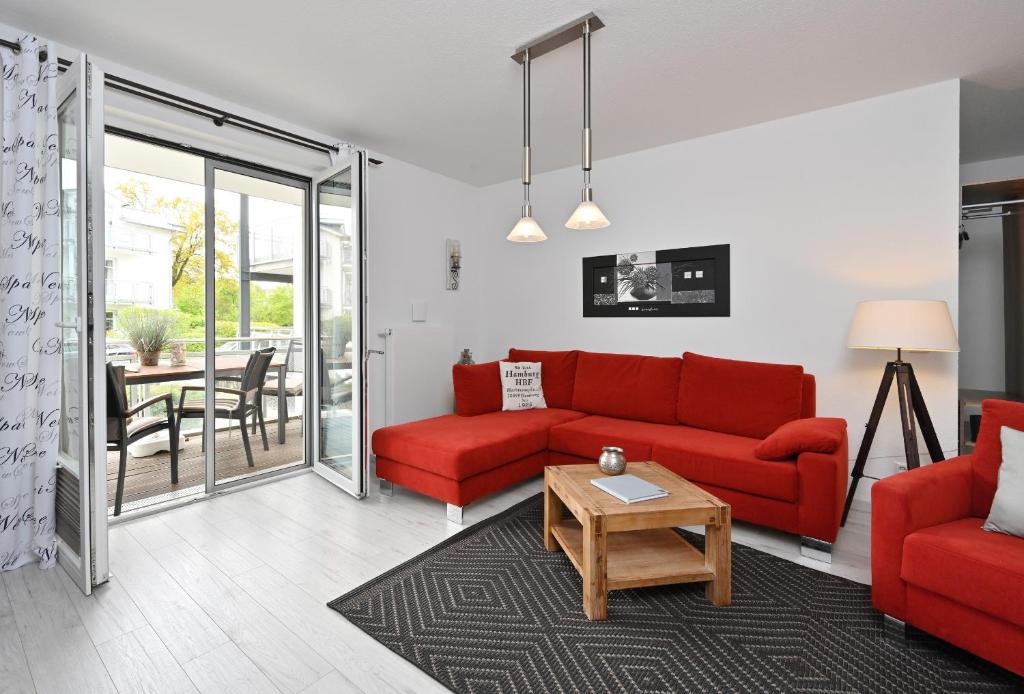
x=151 y=476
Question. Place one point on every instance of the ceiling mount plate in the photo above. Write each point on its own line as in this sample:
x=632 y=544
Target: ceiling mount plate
x=557 y=38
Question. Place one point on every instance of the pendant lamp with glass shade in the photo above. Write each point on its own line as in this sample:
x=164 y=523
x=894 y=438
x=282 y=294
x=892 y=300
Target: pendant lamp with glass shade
x=526 y=229
x=587 y=214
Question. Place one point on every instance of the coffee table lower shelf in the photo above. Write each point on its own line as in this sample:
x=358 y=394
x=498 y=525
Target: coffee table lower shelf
x=639 y=558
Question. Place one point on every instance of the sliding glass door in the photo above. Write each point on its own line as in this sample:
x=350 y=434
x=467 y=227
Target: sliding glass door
x=217 y=252
x=257 y=297
x=153 y=269
x=338 y=229
x=235 y=259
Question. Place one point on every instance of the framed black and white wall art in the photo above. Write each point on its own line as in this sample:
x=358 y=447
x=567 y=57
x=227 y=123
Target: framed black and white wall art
x=676 y=282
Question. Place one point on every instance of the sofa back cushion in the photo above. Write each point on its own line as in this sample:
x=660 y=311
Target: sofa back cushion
x=557 y=373
x=477 y=388
x=808 y=398
x=627 y=386
x=988 y=450
x=738 y=397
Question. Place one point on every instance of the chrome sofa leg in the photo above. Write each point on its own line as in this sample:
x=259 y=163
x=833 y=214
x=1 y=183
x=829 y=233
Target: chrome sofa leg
x=455 y=513
x=387 y=487
x=893 y=627
x=816 y=549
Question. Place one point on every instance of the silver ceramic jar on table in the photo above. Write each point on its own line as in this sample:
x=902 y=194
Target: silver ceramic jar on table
x=612 y=460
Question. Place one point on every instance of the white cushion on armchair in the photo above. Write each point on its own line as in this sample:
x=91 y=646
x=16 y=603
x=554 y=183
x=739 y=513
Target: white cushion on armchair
x=1007 y=512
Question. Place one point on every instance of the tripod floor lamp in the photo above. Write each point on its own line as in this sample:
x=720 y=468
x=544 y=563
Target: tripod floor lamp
x=914 y=326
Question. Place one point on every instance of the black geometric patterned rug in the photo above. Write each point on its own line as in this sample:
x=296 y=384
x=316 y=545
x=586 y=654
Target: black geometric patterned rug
x=489 y=610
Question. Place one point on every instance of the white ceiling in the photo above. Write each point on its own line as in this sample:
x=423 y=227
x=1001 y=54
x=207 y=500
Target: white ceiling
x=431 y=82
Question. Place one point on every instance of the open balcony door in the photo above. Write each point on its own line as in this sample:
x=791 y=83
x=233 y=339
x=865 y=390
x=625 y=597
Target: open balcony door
x=339 y=357
x=81 y=480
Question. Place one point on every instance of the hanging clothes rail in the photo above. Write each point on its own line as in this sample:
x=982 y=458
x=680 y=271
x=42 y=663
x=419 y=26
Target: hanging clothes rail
x=985 y=205
x=986 y=210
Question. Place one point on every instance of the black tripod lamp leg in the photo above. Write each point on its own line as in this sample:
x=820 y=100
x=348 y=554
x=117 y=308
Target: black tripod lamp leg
x=931 y=440
x=869 y=436
x=908 y=421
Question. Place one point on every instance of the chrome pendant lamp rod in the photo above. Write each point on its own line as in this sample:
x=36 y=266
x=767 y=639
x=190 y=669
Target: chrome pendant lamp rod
x=587 y=214
x=526 y=229
x=587 y=194
x=527 y=163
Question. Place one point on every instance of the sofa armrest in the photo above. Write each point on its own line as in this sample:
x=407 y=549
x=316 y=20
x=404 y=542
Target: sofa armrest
x=823 y=479
x=903 y=504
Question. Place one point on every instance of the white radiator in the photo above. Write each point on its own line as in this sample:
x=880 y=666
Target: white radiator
x=418 y=377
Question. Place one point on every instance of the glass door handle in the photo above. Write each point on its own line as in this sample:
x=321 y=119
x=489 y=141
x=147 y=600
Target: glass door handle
x=70 y=325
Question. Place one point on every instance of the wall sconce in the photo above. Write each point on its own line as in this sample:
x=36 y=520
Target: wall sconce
x=453 y=263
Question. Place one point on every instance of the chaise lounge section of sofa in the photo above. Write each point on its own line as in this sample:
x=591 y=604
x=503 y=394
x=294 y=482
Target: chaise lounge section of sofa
x=702 y=417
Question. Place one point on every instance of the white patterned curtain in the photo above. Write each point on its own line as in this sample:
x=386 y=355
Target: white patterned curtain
x=30 y=305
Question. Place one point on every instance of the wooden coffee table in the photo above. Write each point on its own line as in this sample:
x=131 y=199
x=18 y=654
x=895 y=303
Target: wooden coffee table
x=615 y=545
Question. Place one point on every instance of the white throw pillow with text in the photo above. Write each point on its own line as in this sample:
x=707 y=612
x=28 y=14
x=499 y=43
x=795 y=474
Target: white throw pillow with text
x=520 y=385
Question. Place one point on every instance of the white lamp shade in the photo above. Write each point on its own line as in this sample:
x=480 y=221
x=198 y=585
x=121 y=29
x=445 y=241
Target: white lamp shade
x=587 y=215
x=527 y=230
x=913 y=325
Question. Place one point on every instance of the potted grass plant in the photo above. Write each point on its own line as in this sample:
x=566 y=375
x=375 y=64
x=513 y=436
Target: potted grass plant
x=640 y=281
x=147 y=330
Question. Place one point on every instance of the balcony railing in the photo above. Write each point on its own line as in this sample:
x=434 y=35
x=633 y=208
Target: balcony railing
x=125 y=292
x=273 y=241
x=119 y=348
x=125 y=239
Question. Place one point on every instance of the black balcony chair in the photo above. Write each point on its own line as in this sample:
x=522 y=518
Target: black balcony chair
x=260 y=413
x=293 y=382
x=124 y=428
x=233 y=403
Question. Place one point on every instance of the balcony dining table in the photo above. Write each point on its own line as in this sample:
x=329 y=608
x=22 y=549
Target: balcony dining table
x=224 y=365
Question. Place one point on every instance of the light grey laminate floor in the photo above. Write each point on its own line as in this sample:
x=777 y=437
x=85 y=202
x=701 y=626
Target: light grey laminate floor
x=228 y=595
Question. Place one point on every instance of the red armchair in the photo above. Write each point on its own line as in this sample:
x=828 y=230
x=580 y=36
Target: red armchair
x=933 y=566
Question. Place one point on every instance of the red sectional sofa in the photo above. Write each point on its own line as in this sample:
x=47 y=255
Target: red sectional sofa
x=699 y=416
x=932 y=564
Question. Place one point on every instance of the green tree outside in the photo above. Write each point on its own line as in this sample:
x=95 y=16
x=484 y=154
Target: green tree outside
x=270 y=309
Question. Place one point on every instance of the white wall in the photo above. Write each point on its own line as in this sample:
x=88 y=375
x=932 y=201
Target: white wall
x=821 y=210
x=411 y=213
x=982 y=324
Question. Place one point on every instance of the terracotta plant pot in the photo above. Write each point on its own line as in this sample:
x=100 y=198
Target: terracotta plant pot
x=643 y=293
x=149 y=358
